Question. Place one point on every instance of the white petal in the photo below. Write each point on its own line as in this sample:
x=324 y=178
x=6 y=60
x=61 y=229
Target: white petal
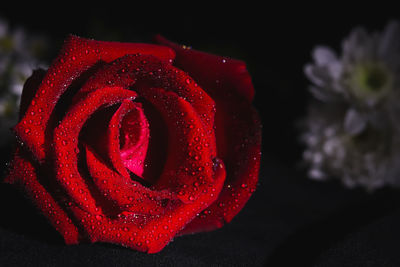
x=316 y=174
x=335 y=69
x=318 y=75
x=330 y=146
x=390 y=40
x=354 y=122
x=355 y=45
x=321 y=93
x=389 y=46
x=3 y=27
x=16 y=88
x=323 y=55
x=317 y=158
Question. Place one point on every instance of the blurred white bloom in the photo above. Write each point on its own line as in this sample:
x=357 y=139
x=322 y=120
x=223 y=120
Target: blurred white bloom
x=352 y=131
x=20 y=54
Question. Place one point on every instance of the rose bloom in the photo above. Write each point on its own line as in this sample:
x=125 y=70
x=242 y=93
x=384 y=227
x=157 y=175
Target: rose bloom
x=134 y=144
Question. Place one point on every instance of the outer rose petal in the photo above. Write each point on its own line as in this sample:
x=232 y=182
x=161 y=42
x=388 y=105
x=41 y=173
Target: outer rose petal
x=66 y=143
x=30 y=87
x=238 y=130
x=150 y=233
x=130 y=196
x=189 y=165
x=211 y=69
x=25 y=174
x=77 y=56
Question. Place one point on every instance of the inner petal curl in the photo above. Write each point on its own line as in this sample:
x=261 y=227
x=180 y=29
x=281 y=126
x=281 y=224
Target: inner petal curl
x=129 y=138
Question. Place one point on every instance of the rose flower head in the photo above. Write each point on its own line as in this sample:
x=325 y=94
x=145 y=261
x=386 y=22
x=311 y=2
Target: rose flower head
x=134 y=144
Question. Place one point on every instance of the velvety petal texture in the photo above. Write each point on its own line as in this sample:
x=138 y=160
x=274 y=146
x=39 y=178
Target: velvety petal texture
x=237 y=126
x=134 y=144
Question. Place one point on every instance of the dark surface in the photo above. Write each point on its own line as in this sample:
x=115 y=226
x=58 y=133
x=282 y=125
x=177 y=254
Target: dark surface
x=290 y=220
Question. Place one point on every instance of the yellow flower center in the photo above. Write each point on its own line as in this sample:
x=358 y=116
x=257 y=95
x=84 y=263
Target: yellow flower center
x=371 y=81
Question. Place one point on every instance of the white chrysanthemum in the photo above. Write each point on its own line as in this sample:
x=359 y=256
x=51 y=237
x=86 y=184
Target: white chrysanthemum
x=19 y=55
x=353 y=132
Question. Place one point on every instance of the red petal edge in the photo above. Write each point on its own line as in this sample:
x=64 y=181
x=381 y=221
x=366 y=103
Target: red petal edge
x=77 y=55
x=66 y=143
x=23 y=173
x=212 y=69
x=238 y=129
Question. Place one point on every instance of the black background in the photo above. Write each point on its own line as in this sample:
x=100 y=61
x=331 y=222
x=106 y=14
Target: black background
x=290 y=220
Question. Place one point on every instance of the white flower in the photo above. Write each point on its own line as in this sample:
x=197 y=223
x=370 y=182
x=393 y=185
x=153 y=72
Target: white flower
x=19 y=55
x=353 y=131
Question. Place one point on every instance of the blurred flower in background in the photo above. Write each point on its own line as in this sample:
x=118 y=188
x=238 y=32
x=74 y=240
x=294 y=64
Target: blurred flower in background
x=352 y=130
x=20 y=54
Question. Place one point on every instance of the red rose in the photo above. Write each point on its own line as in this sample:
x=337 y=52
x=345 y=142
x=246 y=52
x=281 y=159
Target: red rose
x=136 y=143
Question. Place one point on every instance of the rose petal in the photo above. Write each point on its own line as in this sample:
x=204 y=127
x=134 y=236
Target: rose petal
x=77 y=56
x=23 y=172
x=119 y=124
x=212 y=69
x=155 y=232
x=241 y=131
x=190 y=162
x=238 y=130
x=66 y=143
x=28 y=92
x=135 y=135
x=129 y=195
x=157 y=151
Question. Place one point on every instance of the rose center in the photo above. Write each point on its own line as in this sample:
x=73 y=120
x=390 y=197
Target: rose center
x=134 y=140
